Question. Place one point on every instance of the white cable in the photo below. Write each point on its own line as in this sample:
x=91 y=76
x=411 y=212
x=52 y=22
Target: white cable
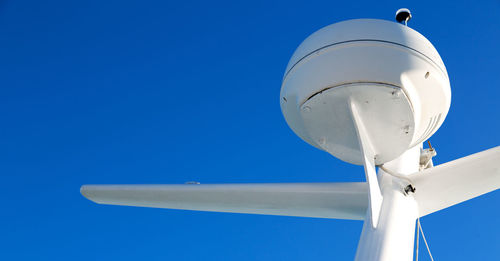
x=425 y=241
x=397 y=175
x=418 y=239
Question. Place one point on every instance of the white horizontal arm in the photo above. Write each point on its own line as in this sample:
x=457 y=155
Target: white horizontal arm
x=322 y=200
x=457 y=181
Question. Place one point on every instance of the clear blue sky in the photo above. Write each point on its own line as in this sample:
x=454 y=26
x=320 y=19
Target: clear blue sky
x=173 y=91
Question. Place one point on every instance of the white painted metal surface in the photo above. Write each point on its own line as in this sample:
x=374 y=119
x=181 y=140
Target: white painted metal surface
x=370 y=52
x=392 y=239
x=327 y=120
x=375 y=196
x=323 y=200
x=457 y=181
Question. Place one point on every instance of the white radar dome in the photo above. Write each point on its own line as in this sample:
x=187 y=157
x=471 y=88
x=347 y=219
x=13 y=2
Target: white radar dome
x=394 y=75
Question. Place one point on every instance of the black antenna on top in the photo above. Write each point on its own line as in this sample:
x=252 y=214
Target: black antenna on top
x=403 y=15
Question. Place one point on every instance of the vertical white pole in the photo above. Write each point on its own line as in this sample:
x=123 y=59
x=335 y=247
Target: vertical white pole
x=393 y=238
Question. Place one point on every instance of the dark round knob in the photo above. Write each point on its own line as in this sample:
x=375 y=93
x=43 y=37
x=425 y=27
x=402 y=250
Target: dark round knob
x=403 y=15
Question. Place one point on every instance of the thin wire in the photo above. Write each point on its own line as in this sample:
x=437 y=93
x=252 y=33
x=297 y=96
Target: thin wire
x=397 y=175
x=418 y=239
x=425 y=241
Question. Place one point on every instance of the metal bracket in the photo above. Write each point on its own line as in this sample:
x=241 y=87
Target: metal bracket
x=375 y=195
x=426 y=156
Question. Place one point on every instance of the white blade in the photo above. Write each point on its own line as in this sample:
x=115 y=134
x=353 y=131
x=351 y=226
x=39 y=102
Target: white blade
x=322 y=200
x=375 y=195
x=457 y=181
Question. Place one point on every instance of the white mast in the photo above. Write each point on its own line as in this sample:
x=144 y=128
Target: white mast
x=368 y=92
x=393 y=238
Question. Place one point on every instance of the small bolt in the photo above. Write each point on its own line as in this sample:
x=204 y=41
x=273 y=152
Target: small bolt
x=409 y=189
